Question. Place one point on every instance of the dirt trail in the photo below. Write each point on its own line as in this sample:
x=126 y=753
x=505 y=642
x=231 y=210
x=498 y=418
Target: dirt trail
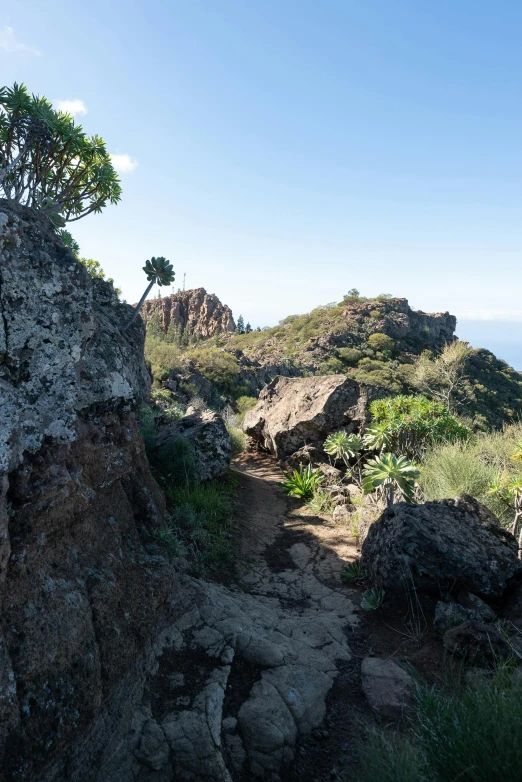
x=260 y=678
x=286 y=552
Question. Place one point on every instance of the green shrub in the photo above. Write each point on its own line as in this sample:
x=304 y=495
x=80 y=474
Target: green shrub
x=375 y=314
x=218 y=366
x=341 y=445
x=371 y=365
x=302 y=482
x=473 y=467
x=470 y=734
x=201 y=519
x=162 y=356
x=372 y=599
x=407 y=425
x=237 y=439
x=350 y=355
x=380 y=341
x=244 y=404
x=353 y=572
x=384 y=376
x=389 y=473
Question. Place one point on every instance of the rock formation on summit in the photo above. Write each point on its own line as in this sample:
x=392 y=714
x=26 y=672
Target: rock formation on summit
x=200 y=313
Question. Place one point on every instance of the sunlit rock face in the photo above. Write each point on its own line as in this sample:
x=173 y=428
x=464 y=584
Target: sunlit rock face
x=199 y=313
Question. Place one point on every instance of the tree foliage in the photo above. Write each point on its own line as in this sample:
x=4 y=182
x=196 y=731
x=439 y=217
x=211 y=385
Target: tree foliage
x=158 y=270
x=444 y=376
x=49 y=163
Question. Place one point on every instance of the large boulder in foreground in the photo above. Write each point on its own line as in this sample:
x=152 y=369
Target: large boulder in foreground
x=446 y=545
x=297 y=411
x=208 y=436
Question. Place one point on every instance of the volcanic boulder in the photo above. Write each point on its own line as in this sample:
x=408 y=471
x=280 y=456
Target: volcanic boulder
x=294 y=412
x=446 y=545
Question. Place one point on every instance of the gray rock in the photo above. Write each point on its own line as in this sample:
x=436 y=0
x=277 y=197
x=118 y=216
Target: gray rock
x=207 y=434
x=332 y=474
x=477 y=642
x=448 y=615
x=294 y=412
x=229 y=724
x=444 y=545
x=62 y=344
x=513 y=609
x=308 y=454
x=387 y=686
x=478 y=607
x=153 y=749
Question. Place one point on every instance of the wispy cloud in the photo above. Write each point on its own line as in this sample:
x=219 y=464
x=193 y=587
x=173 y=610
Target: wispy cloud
x=502 y=315
x=123 y=164
x=74 y=107
x=10 y=43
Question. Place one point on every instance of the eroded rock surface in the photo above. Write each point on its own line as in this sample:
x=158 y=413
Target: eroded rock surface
x=446 y=545
x=208 y=436
x=297 y=412
x=83 y=591
x=62 y=347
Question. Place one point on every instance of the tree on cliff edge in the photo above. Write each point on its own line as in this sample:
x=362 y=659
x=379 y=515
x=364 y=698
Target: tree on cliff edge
x=158 y=270
x=49 y=163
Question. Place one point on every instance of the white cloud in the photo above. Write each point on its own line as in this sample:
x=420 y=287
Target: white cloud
x=490 y=315
x=123 y=164
x=74 y=107
x=10 y=43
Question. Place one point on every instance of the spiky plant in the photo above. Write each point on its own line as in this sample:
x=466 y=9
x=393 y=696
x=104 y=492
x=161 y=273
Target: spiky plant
x=341 y=445
x=302 y=482
x=372 y=599
x=158 y=270
x=378 y=436
x=390 y=473
x=352 y=572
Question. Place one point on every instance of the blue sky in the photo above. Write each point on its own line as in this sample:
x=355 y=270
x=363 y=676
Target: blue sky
x=281 y=153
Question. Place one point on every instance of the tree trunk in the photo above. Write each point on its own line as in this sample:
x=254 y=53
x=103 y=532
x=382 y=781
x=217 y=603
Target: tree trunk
x=139 y=304
x=388 y=491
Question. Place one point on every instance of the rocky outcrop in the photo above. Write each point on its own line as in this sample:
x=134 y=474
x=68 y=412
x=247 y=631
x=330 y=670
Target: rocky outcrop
x=446 y=545
x=81 y=594
x=296 y=412
x=194 y=312
x=208 y=436
x=62 y=348
x=114 y=664
x=478 y=643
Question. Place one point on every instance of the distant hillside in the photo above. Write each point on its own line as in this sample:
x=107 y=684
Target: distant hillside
x=376 y=341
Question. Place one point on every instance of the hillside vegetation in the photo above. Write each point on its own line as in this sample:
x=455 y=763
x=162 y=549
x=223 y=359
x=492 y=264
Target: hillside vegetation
x=379 y=341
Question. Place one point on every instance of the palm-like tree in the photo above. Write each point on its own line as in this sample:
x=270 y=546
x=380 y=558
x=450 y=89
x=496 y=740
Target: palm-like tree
x=391 y=472
x=158 y=270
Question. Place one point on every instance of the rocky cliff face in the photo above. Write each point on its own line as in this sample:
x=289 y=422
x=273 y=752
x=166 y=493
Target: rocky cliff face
x=81 y=595
x=196 y=311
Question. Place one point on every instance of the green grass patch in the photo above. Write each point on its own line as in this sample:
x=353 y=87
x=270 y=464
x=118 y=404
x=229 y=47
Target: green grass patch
x=470 y=734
